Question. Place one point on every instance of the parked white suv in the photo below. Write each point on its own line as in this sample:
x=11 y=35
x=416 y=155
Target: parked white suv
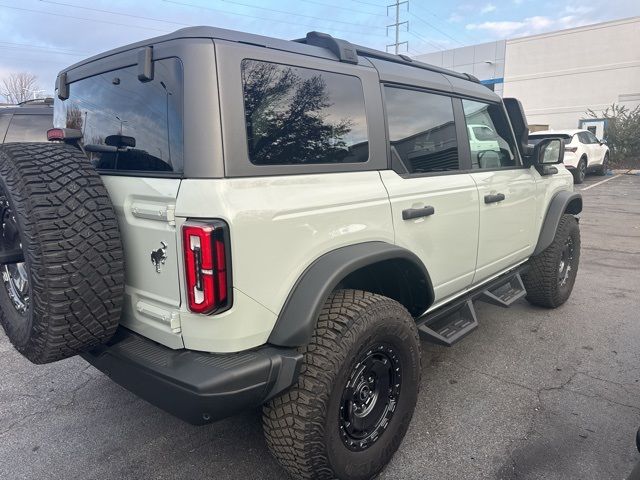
x=224 y=221
x=584 y=153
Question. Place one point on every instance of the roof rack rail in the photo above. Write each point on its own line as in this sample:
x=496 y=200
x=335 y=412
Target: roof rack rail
x=37 y=101
x=348 y=52
x=342 y=49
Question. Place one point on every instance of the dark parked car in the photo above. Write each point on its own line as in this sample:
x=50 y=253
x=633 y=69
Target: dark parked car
x=26 y=122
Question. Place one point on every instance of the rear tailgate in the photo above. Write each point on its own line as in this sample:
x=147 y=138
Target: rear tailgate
x=152 y=294
x=133 y=134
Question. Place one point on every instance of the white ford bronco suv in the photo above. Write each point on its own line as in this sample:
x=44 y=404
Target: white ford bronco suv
x=222 y=221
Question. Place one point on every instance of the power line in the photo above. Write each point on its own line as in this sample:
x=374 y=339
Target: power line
x=79 y=18
x=425 y=40
x=346 y=9
x=420 y=19
x=185 y=4
x=463 y=32
x=235 y=2
x=368 y=3
x=4 y=44
x=116 y=13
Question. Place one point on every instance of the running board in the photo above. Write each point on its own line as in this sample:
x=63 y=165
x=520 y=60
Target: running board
x=506 y=293
x=451 y=323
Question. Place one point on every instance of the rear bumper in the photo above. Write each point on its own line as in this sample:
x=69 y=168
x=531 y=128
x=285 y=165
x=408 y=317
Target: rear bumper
x=195 y=386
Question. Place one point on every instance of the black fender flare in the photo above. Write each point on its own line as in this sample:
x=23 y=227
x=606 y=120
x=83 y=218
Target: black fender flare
x=298 y=316
x=563 y=202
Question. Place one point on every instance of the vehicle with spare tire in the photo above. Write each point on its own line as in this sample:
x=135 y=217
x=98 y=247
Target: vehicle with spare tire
x=223 y=220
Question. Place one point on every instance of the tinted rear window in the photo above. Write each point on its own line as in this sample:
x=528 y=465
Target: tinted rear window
x=535 y=139
x=29 y=128
x=129 y=125
x=298 y=115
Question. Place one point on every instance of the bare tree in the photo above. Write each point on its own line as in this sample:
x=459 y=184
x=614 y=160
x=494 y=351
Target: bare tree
x=18 y=87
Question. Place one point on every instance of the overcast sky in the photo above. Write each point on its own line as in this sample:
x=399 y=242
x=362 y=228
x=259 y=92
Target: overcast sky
x=43 y=36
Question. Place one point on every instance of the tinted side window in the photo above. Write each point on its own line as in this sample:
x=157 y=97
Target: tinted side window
x=583 y=137
x=422 y=131
x=495 y=147
x=592 y=138
x=299 y=115
x=127 y=124
x=4 y=123
x=29 y=128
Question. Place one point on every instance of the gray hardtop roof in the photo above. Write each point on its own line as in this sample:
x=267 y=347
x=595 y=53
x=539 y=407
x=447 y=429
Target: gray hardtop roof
x=27 y=110
x=383 y=61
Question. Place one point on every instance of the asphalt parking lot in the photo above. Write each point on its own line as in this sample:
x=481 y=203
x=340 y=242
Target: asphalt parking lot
x=533 y=393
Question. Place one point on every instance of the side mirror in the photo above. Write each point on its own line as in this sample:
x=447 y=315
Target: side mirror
x=603 y=142
x=546 y=154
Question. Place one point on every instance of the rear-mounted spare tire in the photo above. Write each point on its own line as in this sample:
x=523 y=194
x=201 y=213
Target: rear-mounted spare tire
x=61 y=258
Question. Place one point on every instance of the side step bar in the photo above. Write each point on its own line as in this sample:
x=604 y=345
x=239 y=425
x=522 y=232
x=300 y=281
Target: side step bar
x=452 y=322
x=505 y=294
x=450 y=325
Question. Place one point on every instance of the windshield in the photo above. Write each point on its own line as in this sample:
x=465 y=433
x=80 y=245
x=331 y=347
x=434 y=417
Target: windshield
x=128 y=124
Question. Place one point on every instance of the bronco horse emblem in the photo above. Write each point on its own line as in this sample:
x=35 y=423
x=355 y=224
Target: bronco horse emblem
x=159 y=257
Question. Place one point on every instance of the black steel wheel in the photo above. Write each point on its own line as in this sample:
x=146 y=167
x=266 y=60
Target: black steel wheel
x=566 y=264
x=14 y=270
x=370 y=397
x=356 y=392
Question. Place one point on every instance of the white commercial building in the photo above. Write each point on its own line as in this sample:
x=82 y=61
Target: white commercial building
x=559 y=76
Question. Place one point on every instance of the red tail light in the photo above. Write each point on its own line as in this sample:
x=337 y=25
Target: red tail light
x=55 y=134
x=206 y=266
x=571 y=149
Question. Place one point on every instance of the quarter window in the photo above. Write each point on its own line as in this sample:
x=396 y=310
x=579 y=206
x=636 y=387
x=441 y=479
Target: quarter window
x=29 y=128
x=490 y=139
x=299 y=115
x=422 y=130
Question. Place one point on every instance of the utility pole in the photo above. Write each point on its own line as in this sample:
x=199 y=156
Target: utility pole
x=397 y=25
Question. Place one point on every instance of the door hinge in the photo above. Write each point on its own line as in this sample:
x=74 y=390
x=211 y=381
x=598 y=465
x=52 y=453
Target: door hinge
x=171 y=319
x=153 y=211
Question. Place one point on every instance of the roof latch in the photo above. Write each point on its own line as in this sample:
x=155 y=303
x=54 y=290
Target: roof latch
x=145 y=64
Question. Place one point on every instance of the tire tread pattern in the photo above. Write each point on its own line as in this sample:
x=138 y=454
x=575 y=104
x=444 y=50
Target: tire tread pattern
x=294 y=421
x=541 y=280
x=73 y=248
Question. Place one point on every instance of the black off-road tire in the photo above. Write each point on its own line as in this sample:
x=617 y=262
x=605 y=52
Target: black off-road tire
x=542 y=280
x=302 y=426
x=72 y=251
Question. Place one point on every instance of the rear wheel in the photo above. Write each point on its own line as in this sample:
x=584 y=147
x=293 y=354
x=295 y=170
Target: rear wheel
x=602 y=169
x=552 y=273
x=60 y=253
x=356 y=391
x=580 y=172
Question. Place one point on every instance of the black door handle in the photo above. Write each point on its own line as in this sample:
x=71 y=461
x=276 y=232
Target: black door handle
x=410 y=213
x=498 y=197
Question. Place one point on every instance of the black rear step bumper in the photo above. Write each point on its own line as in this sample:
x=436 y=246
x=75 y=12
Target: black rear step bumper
x=195 y=386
